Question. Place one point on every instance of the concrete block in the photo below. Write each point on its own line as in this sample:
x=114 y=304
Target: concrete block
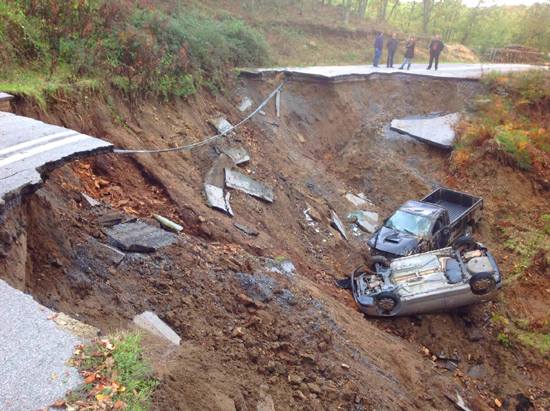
x=150 y=322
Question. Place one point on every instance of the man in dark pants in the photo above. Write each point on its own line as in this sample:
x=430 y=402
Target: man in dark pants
x=378 y=46
x=392 y=48
x=436 y=46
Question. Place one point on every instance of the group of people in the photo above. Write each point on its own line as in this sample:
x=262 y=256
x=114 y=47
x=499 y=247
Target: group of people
x=436 y=46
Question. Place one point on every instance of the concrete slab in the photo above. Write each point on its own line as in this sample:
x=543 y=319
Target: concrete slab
x=139 y=237
x=245 y=104
x=168 y=224
x=152 y=323
x=337 y=223
x=366 y=220
x=237 y=154
x=248 y=185
x=222 y=125
x=357 y=201
x=345 y=73
x=33 y=353
x=246 y=230
x=31 y=148
x=5 y=96
x=90 y=200
x=437 y=131
x=215 y=197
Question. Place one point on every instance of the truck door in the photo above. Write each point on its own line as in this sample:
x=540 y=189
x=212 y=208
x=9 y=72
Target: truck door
x=440 y=233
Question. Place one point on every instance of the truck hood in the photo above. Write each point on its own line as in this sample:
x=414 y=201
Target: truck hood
x=392 y=241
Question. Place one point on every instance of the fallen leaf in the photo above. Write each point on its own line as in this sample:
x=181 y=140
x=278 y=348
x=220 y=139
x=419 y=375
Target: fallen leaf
x=109 y=362
x=89 y=378
x=11 y=403
x=119 y=404
x=41 y=308
x=52 y=316
x=58 y=404
x=54 y=377
x=498 y=403
x=101 y=397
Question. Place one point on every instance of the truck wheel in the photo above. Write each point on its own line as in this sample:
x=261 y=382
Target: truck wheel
x=464 y=244
x=377 y=259
x=386 y=300
x=482 y=283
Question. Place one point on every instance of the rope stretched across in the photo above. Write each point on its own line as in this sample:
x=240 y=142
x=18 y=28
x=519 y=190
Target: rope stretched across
x=208 y=140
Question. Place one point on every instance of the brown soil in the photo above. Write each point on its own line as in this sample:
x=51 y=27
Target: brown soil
x=251 y=333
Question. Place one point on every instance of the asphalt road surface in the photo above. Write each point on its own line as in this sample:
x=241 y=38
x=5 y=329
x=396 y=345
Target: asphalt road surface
x=445 y=71
x=30 y=148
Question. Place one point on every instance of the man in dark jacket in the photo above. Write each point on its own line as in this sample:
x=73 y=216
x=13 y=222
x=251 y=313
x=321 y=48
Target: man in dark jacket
x=378 y=46
x=392 y=48
x=436 y=46
x=409 y=54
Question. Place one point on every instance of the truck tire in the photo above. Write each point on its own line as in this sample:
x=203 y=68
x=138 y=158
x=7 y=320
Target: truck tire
x=377 y=259
x=386 y=300
x=482 y=283
x=464 y=244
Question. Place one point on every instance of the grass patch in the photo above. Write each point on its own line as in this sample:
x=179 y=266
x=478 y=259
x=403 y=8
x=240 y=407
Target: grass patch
x=116 y=375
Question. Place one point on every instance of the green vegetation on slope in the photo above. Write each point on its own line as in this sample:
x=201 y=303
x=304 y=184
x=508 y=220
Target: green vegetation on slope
x=127 y=44
x=512 y=123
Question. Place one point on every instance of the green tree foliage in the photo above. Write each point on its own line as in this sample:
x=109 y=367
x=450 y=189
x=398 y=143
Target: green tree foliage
x=130 y=43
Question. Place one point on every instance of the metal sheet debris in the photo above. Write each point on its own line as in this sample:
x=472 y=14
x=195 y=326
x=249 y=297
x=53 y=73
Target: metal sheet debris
x=221 y=124
x=237 y=154
x=278 y=103
x=250 y=186
x=337 y=223
x=216 y=199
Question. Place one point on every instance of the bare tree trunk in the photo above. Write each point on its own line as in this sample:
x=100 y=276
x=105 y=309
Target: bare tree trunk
x=392 y=9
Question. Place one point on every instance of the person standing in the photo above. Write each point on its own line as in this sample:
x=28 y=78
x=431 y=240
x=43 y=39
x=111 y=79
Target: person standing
x=378 y=46
x=409 y=54
x=436 y=46
x=392 y=48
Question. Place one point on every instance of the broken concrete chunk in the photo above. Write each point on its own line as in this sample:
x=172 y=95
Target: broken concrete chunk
x=228 y=204
x=246 y=230
x=244 y=183
x=103 y=252
x=437 y=131
x=150 y=322
x=261 y=112
x=337 y=223
x=366 y=220
x=90 y=200
x=169 y=225
x=357 y=200
x=222 y=125
x=5 y=96
x=245 y=104
x=216 y=199
x=139 y=237
x=75 y=327
x=216 y=175
x=237 y=154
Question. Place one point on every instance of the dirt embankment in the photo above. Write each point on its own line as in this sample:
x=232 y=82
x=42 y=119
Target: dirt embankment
x=253 y=331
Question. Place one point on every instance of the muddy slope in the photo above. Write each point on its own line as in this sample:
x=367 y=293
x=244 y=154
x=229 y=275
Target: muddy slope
x=252 y=329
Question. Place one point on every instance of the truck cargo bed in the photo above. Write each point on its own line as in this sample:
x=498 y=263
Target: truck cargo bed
x=455 y=210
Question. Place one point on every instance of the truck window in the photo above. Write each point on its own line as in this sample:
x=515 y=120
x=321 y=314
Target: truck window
x=439 y=224
x=409 y=223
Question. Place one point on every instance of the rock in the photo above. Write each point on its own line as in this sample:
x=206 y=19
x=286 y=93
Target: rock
x=201 y=219
x=270 y=367
x=265 y=403
x=477 y=371
x=337 y=224
x=237 y=154
x=75 y=327
x=314 y=214
x=246 y=230
x=295 y=379
x=307 y=359
x=167 y=224
x=140 y=237
x=437 y=131
x=215 y=198
x=246 y=103
x=345 y=366
x=222 y=125
x=451 y=366
x=314 y=388
x=216 y=175
x=248 y=185
x=103 y=252
x=475 y=336
x=90 y=200
x=301 y=138
x=299 y=395
x=357 y=201
x=247 y=301
x=150 y=322
x=237 y=332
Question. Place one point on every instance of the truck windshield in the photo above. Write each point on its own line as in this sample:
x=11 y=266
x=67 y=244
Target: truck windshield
x=409 y=223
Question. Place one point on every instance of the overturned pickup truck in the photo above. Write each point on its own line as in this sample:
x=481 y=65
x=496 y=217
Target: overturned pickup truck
x=434 y=281
x=434 y=222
